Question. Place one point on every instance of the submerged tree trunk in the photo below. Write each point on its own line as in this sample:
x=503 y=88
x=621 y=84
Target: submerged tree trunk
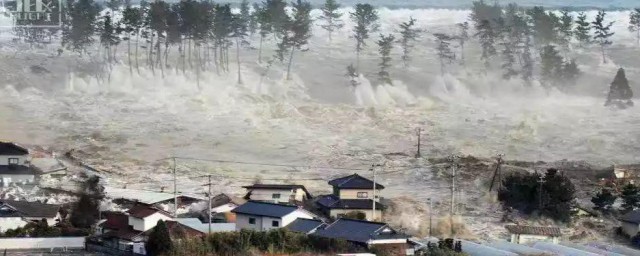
x=260 y=49
x=293 y=48
x=238 y=60
x=129 y=56
x=136 y=57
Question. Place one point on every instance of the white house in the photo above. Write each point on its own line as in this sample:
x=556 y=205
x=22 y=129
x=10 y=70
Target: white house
x=532 y=234
x=14 y=167
x=277 y=193
x=263 y=216
x=145 y=217
x=630 y=223
x=15 y=214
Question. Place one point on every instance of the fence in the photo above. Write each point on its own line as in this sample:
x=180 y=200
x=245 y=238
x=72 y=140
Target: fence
x=41 y=243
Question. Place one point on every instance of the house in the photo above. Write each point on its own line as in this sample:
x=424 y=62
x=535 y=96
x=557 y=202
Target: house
x=130 y=197
x=627 y=173
x=352 y=193
x=12 y=154
x=16 y=214
x=277 y=193
x=225 y=203
x=373 y=235
x=203 y=227
x=14 y=165
x=263 y=216
x=521 y=234
x=144 y=217
x=630 y=223
x=305 y=226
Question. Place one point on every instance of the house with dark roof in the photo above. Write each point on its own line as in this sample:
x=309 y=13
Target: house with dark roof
x=305 y=226
x=277 y=193
x=14 y=165
x=630 y=223
x=144 y=217
x=373 y=235
x=521 y=234
x=352 y=193
x=263 y=216
x=16 y=214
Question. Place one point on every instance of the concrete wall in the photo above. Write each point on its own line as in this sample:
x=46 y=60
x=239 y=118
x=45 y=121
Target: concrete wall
x=41 y=243
x=353 y=193
x=11 y=223
x=630 y=229
x=4 y=160
x=532 y=239
x=242 y=222
x=147 y=223
x=368 y=213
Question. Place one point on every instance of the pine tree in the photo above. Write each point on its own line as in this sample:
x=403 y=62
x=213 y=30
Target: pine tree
x=244 y=17
x=85 y=212
x=602 y=33
x=365 y=17
x=558 y=194
x=582 y=31
x=240 y=32
x=565 y=29
x=545 y=25
x=221 y=31
x=487 y=36
x=408 y=35
x=132 y=23
x=331 y=17
x=527 y=59
x=634 y=24
x=620 y=93
x=463 y=37
x=443 y=48
x=508 y=55
x=300 y=29
x=159 y=241
x=603 y=200
x=630 y=195
x=79 y=27
x=385 y=44
x=254 y=25
x=551 y=64
x=108 y=36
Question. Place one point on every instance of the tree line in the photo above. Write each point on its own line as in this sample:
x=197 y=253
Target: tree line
x=204 y=34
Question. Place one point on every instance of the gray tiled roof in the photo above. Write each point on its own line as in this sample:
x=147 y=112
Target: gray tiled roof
x=304 y=225
x=333 y=202
x=358 y=231
x=265 y=209
x=534 y=230
x=354 y=181
x=7 y=148
x=32 y=209
x=631 y=217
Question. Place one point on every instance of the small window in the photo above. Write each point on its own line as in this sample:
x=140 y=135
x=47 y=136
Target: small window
x=14 y=161
x=275 y=223
x=363 y=195
x=275 y=196
x=252 y=220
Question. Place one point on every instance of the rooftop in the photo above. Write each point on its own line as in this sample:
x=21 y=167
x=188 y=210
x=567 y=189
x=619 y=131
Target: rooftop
x=333 y=202
x=115 y=220
x=142 y=196
x=359 y=231
x=279 y=187
x=196 y=224
x=142 y=211
x=10 y=149
x=265 y=209
x=354 y=181
x=534 y=230
x=222 y=199
x=631 y=217
x=29 y=209
x=305 y=225
x=16 y=169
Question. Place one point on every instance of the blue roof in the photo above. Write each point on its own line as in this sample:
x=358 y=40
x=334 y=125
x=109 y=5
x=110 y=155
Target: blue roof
x=265 y=209
x=304 y=225
x=333 y=202
x=354 y=181
x=358 y=231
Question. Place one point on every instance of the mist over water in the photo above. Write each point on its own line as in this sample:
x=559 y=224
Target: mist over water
x=319 y=119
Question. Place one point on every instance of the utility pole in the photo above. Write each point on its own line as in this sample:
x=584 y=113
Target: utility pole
x=453 y=192
x=373 y=213
x=209 y=203
x=497 y=173
x=430 y=215
x=419 y=132
x=175 y=190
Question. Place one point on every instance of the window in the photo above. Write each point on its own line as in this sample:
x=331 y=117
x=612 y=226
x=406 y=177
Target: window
x=363 y=195
x=14 y=161
x=252 y=221
x=275 y=196
x=275 y=223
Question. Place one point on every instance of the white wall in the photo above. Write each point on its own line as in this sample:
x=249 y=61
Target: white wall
x=631 y=229
x=302 y=214
x=242 y=222
x=7 y=179
x=264 y=223
x=531 y=239
x=147 y=223
x=42 y=243
x=267 y=195
x=224 y=208
x=11 y=223
x=4 y=159
x=353 y=193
